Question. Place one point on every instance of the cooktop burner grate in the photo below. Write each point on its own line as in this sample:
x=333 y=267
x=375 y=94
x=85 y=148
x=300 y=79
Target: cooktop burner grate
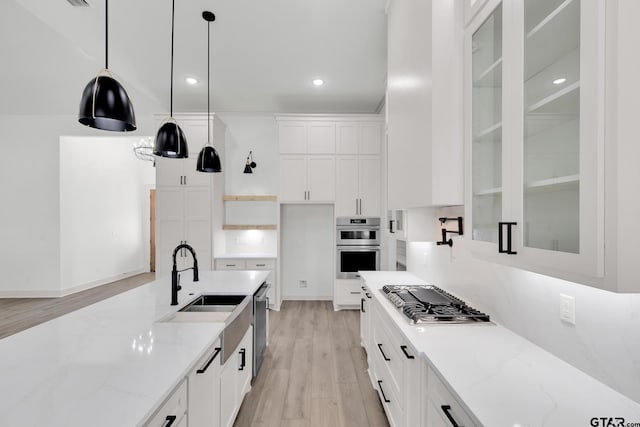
x=430 y=304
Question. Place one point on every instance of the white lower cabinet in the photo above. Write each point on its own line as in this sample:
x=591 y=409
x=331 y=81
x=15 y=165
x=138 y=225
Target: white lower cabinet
x=396 y=368
x=173 y=411
x=204 y=390
x=442 y=408
x=346 y=293
x=235 y=379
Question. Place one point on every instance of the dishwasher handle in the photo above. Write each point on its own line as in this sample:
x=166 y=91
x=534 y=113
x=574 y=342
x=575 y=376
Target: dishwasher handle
x=261 y=293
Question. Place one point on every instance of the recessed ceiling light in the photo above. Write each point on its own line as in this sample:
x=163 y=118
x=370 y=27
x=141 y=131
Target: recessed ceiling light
x=191 y=80
x=559 y=81
x=318 y=82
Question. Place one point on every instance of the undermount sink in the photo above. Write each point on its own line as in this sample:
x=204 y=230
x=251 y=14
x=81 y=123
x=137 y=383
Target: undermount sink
x=209 y=303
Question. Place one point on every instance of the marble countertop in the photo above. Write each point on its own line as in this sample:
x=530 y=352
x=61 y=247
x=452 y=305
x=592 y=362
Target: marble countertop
x=247 y=255
x=113 y=362
x=500 y=377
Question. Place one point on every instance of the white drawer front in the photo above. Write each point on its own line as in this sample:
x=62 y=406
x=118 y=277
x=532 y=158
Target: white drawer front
x=174 y=406
x=347 y=293
x=231 y=264
x=261 y=264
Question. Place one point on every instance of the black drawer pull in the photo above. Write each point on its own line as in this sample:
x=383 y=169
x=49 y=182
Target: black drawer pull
x=368 y=295
x=170 y=420
x=446 y=409
x=382 y=391
x=206 y=366
x=354 y=293
x=404 y=350
x=261 y=265
x=383 y=355
x=243 y=362
x=362 y=305
x=230 y=265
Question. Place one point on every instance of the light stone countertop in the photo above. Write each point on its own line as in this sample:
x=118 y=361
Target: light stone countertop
x=113 y=362
x=500 y=377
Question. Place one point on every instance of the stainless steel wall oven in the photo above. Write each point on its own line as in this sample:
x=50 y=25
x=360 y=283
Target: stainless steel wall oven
x=357 y=246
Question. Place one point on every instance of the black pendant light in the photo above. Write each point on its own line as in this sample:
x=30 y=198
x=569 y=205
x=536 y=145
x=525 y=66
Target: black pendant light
x=208 y=159
x=170 y=140
x=248 y=167
x=104 y=103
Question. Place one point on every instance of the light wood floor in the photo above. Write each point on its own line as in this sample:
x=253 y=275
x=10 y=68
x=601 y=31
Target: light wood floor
x=314 y=372
x=18 y=314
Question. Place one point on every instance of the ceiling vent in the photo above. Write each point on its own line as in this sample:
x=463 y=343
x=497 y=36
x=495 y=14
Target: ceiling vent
x=78 y=3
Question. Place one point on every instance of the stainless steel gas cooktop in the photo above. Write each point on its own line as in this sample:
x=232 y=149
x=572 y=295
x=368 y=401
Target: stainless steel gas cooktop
x=430 y=304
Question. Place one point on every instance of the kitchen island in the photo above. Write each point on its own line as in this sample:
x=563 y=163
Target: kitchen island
x=492 y=376
x=113 y=362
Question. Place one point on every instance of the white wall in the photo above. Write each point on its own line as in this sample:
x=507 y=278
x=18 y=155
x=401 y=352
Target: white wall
x=307 y=249
x=103 y=221
x=604 y=342
x=30 y=192
x=246 y=132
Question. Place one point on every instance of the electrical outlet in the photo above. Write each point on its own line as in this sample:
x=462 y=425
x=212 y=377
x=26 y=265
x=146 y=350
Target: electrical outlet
x=568 y=309
x=303 y=283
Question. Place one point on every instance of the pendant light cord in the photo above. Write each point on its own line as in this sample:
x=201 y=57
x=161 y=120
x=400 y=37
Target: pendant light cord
x=173 y=12
x=106 y=35
x=208 y=83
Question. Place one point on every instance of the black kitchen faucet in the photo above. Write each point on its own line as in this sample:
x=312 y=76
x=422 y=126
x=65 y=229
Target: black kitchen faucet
x=175 y=287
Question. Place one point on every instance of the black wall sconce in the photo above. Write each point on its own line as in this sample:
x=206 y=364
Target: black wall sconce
x=459 y=231
x=248 y=167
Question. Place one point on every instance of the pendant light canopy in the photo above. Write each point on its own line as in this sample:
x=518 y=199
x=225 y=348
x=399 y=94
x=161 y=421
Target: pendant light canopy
x=170 y=140
x=105 y=103
x=248 y=167
x=208 y=159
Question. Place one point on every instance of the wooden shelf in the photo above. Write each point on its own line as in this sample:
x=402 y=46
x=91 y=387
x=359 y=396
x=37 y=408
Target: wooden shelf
x=249 y=227
x=249 y=198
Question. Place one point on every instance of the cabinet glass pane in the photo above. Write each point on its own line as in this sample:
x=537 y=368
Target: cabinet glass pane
x=486 y=127
x=552 y=125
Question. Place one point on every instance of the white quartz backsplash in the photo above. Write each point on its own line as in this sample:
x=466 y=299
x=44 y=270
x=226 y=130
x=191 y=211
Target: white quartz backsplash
x=604 y=342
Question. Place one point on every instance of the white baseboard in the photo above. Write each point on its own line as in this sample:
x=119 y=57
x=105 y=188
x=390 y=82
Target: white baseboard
x=307 y=298
x=68 y=291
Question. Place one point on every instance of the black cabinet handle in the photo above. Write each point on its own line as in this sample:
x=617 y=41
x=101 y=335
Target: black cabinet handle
x=261 y=265
x=368 y=295
x=170 y=420
x=501 y=248
x=206 y=366
x=446 y=409
x=243 y=361
x=383 y=355
x=382 y=391
x=362 y=305
x=404 y=350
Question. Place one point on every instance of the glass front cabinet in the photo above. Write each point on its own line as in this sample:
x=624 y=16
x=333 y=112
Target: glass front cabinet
x=534 y=120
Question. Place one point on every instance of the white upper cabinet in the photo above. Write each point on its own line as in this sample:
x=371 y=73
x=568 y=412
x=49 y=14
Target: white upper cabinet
x=358 y=137
x=358 y=189
x=534 y=125
x=306 y=137
x=425 y=156
x=311 y=172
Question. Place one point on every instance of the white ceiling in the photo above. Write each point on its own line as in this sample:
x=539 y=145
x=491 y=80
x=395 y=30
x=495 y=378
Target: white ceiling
x=264 y=54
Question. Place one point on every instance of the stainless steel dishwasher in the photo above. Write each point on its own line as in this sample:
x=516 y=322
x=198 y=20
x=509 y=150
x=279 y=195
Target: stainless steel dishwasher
x=260 y=307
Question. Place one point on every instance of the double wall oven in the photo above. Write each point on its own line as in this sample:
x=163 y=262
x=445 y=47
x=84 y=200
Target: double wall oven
x=357 y=246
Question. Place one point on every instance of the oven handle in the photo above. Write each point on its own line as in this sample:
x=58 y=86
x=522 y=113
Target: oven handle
x=358 y=248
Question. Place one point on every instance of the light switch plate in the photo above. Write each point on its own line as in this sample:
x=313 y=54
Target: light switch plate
x=568 y=309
